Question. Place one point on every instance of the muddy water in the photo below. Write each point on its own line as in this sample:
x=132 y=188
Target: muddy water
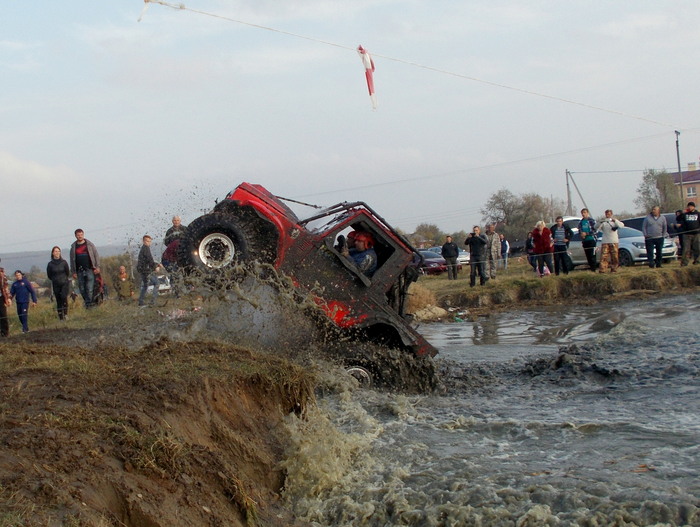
x=563 y=416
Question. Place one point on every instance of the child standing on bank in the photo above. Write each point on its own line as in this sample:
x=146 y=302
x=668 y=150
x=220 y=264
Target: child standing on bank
x=23 y=293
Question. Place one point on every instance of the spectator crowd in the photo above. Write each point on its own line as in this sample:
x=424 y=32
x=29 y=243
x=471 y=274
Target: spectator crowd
x=82 y=272
x=547 y=248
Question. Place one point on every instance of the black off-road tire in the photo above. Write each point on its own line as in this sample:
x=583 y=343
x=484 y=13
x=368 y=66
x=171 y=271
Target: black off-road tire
x=213 y=242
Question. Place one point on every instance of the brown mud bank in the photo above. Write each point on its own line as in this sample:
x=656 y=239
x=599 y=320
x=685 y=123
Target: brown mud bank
x=168 y=434
x=523 y=290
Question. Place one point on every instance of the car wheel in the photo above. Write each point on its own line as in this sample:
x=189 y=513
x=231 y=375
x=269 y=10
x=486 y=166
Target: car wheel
x=386 y=367
x=625 y=258
x=361 y=375
x=213 y=242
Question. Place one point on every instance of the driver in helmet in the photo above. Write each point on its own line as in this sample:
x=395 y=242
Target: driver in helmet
x=362 y=254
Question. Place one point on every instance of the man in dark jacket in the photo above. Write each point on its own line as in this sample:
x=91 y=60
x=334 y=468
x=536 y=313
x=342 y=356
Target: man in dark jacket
x=690 y=227
x=147 y=267
x=450 y=252
x=561 y=236
x=476 y=244
x=84 y=264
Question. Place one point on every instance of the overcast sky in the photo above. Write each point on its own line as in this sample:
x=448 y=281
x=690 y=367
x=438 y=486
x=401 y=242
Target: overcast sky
x=114 y=125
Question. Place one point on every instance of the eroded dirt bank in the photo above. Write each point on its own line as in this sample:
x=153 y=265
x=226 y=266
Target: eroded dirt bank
x=173 y=433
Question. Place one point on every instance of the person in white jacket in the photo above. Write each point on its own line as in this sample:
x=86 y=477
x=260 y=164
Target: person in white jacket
x=610 y=242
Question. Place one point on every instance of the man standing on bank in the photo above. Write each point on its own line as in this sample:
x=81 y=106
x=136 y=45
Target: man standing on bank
x=610 y=242
x=476 y=244
x=589 y=240
x=690 y=227
x=655 y=231
x=450 y=252
x=493 y=250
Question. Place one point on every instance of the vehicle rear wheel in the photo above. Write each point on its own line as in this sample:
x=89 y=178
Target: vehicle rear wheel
x=625 y=258
x=213 y=242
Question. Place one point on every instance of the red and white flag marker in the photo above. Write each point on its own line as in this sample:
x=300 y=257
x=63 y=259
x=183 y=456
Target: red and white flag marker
x=368 y=63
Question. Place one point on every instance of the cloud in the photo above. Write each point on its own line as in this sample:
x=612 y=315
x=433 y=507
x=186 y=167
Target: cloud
x=641 y=24
x=19 y=56
x=32 y=175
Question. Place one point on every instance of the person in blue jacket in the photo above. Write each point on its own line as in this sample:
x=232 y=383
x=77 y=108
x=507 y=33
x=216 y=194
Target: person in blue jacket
x=23 y=294
x=589 y=239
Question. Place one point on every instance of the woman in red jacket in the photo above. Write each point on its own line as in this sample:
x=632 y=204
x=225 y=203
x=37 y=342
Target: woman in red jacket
x=544 y=246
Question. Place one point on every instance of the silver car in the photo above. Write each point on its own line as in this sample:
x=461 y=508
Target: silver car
x=632 y=248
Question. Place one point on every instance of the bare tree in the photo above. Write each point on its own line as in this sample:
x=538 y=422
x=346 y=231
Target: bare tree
x=657 y=188
x=516 y=215
x=428 y=234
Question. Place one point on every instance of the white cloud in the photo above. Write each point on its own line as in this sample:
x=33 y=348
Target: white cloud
x=32 y=175
x=647 y=25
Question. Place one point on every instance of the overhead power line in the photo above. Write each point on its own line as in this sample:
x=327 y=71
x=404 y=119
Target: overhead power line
x=503 y=164
x=183 y=7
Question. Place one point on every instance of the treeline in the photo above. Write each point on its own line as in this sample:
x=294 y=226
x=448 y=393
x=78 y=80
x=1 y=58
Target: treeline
x=514 y=215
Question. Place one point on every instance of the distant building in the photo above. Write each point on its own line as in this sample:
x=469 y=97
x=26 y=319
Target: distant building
x=691 y=182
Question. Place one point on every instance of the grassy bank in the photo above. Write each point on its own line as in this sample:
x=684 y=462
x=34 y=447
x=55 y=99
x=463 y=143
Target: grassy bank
x=519 y=286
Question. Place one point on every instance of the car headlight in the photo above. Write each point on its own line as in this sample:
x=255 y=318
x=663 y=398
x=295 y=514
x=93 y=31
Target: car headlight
x=639 y=245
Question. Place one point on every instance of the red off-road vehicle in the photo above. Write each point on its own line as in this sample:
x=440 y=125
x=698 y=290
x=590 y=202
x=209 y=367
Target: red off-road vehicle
x=251 y=224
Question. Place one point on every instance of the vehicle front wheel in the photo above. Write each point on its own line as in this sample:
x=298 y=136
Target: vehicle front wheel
x=625 y=258
x=213 y=242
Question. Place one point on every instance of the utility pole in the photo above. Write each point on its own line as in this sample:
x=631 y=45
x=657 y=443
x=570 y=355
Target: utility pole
x=569 y=205
x=678 y=158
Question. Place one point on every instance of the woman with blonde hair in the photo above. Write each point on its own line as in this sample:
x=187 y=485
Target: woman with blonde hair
x=542 y=238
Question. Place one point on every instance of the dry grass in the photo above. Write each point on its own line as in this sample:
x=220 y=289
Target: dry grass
x=419 y=296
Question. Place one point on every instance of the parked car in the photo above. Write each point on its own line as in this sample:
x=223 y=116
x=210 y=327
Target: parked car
x=163 y=285
x=632 y=248
x=462 y=259
x=636 y=223
x=433 y=263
